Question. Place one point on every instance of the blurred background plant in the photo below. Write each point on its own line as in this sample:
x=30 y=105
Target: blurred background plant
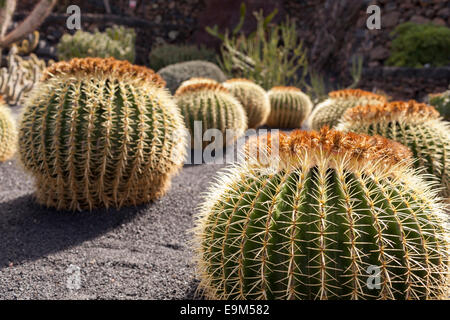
x=167 y=54
x=117 y=42
x=20 y=76
x=441 y=101
x=7 y=8
x=271 y=55
x=274 y=55
x=418 y=45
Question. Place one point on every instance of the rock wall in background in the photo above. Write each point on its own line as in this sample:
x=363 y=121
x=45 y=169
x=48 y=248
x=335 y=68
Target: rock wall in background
x=333 y=31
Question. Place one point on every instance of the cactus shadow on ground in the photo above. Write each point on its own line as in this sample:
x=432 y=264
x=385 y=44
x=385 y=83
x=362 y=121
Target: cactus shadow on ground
x=30 y=231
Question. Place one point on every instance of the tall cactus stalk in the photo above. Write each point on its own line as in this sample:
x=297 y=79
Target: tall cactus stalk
x=318 y=220
x=413 y=124
x=100 y=133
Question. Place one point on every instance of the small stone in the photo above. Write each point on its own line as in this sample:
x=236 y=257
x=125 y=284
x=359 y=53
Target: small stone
x=390 y=19
x=439 y=22
x=379 y=53
x=444 y=13
x=173 y=34
x=419 y=19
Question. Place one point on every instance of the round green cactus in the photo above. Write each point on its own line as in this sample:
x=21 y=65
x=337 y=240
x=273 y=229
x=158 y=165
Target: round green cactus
x=328 y=112
x=213 y=107
x=320 y=220
x=253 y=98
x=289 y=107
x=413 y=124
x=8 y=133
x=101 y=133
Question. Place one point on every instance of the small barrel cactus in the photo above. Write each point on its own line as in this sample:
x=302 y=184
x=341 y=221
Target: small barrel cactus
x=214 y=107
x=328 y=112
x=8 y=133
x=253 y=98
x=289 y=107
x=413 y=124
x=101 y=133
x=319 y=220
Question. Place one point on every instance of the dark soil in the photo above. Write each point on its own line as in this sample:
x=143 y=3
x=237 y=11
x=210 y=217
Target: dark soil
x=133 y=253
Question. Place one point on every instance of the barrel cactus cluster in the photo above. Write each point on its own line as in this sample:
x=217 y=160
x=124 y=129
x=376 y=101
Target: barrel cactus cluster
x=100 y=133
x=413 y=124
x=8 y=133
x=328 y=112
x=253 y=98
x=289 y=107
x=312 y=224
x=207 y=105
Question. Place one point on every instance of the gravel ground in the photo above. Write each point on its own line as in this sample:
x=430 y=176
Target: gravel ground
x=133 y=253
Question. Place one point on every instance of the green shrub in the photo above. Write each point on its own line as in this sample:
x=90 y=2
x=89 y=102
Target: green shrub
x=441 y=102
x=167 y=54
x=418 y=44
x=117 y=42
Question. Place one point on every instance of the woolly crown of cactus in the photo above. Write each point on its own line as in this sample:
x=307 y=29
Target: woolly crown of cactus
x=416 y=125
x=215 y=107
x=253 y=98
x=313 y=222
x=328 y=112
x=289 y=107
x=100 y=133
x=195 y=80
x=8 y=134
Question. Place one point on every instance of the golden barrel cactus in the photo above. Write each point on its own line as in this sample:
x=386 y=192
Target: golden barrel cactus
x=321 y=220
x=209 y=106
x=413 y=124
x=328 y=112
x=289 y=107
x=253 y=98
x=100 y=133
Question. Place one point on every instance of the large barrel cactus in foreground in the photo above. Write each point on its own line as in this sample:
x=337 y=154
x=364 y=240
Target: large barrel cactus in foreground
x=8 y=133
x=289 y=107
x=319 y=220
x=253 y=98
x=413 y=124
x=212 y=106
x=328 y=112
x=100 y=133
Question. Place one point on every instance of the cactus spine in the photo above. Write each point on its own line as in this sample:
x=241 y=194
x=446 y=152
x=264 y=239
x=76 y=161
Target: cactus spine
x=215 y=107
x=289 y=107
x=8 y=133
x=328 y=112
x=253 y=98
x=413 y=124
x=100 y=133
x=310 y=223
